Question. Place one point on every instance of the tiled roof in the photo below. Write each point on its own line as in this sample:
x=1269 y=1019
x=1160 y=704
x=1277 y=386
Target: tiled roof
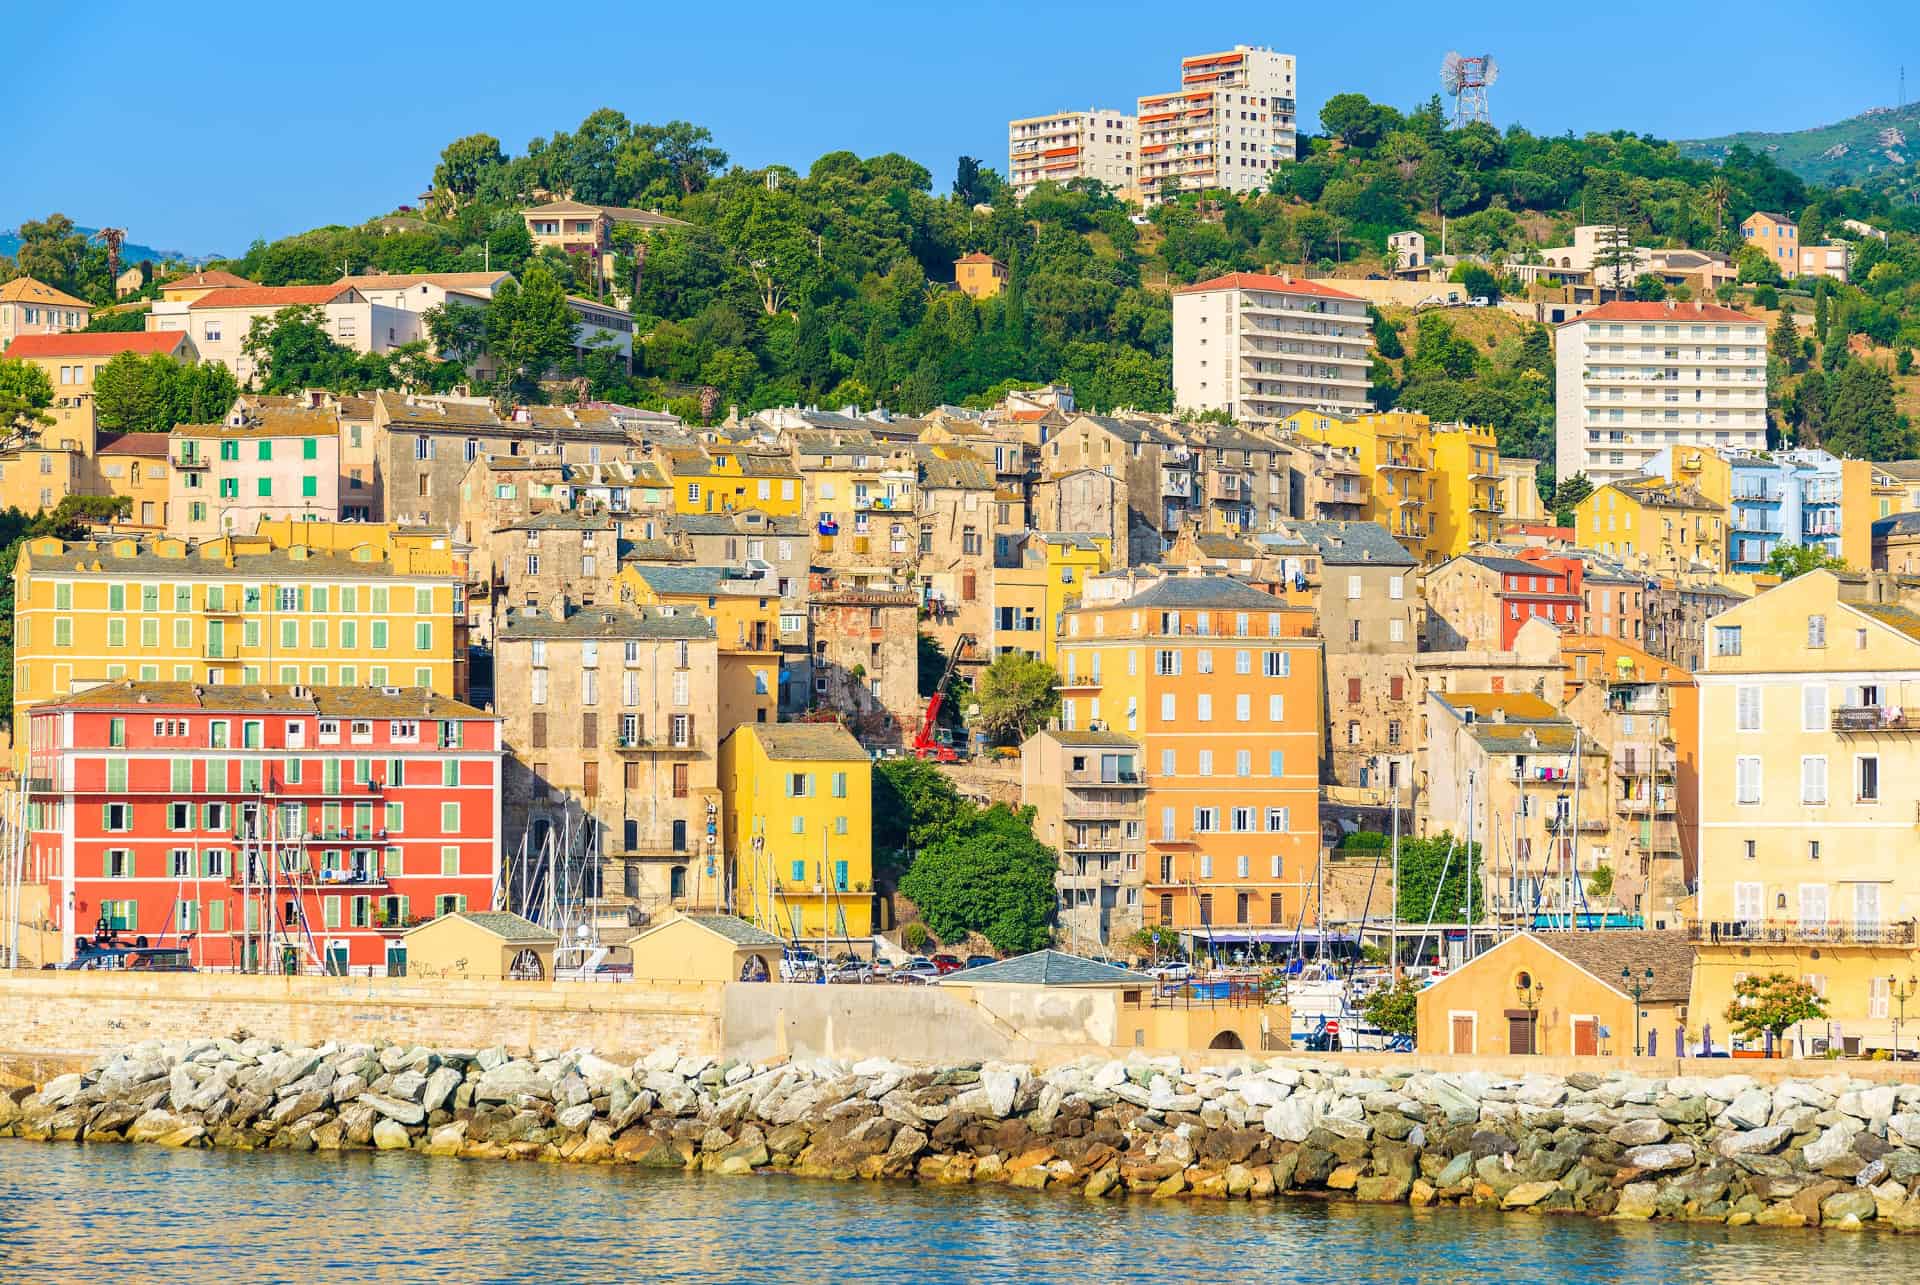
x=736 y=523
x=145 y=445
x=1515 y=706
x=270 y=423
x=1050 y=968
x=1353 y=543
x=403 y=280
x=734 y=929
x=428 y=413
x=961 y=470
x=618 y=213
x=1627 y=310
x=804 y=741
x=1264 y=281
x=370 y=702
x=1204 y=591
x=271 y=296
x=1131 y=430
x=507 y=926
x=607 y=622
x=77 y=343
x=977 y=256
x=1603 y=954
x=561 y=520
x=1903 y=619
x=1117 y=740
x=28 y=290
x=84 y=557
x=215 y=279
x=1510 y=566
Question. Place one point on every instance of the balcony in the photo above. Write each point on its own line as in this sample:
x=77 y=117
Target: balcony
x=637 y=745
x=192 y=463
x=1835 y=932
x=1640 y=766
x=1128 y=781
x=1871 y=719
x=1077 y=809
x=1657 y=837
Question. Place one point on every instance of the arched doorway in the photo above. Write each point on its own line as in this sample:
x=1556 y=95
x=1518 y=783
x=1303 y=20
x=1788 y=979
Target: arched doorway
x=526 y=967
x=1226 y=1040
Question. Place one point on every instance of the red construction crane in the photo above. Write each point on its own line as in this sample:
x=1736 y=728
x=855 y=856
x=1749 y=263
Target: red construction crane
x=926 y=743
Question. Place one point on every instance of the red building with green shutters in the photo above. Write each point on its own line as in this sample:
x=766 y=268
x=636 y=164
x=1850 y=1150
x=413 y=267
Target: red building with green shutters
x=261 y=826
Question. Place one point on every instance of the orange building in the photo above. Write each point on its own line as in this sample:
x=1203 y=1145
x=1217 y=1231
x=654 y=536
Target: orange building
x=979 y=276
x=1220 y=684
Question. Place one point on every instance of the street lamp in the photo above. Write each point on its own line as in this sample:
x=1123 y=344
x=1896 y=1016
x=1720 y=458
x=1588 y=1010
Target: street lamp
x=1530 y=993
x=1636 y=987
x=1901 y=993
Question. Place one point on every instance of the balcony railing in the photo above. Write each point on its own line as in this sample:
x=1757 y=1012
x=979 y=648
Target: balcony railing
x=1873 y=718
x=1837 y=932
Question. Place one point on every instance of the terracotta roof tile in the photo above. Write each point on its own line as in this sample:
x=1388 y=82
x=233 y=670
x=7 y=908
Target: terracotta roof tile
x=80 y=344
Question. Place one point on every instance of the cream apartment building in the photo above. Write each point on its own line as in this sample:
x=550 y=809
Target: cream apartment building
x=1634 y=379
x=1096 y=144
x=219 y=320
x=260 y=464
x=1229 y=125
x=1262 y=347
x=29 y=307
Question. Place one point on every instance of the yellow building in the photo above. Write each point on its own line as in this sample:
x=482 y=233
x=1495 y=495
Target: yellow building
x=1652 y=524
x=1468 y=507
x=1700 y=467
x=1562 y=994
x=1029 y=599
x=1437 y=489
x=1810 y=779
x=745 y=609
x=799 y=830
x=705 y=948
x=232 y=611
x=72 y=360
x=722 y=479
x=481 y=945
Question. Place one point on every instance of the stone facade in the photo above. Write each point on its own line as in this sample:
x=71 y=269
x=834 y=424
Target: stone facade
x=866 y=663
x=610 y=715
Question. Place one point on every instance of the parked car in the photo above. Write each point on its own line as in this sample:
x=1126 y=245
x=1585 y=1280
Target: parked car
x=799 y=964
x=979 y=961
x=1174 y=970
x=854 y=972
x=918 y=973
x=880 y=970
x=947 y=964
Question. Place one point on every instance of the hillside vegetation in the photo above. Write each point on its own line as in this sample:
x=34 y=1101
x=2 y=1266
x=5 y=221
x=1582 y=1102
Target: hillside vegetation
x=1882 y=144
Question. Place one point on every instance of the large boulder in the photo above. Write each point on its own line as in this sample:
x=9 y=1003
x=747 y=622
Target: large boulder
x=403 y=1110
x=1659 y=1159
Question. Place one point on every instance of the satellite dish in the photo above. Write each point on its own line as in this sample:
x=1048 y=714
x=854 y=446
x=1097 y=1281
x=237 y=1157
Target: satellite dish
x=1450 y=71
x=1492 y=69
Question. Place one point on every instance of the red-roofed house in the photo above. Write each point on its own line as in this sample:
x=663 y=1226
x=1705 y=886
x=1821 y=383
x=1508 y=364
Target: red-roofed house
x=1262 y=347
x=72 y=360
x=219 y=320
x=195 y=284
x=1634 y=379
x=979 y=276
x=29 y=307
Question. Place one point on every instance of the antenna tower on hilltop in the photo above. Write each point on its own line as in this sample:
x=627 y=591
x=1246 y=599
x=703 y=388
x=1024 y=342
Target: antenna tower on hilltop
x=1466 y=79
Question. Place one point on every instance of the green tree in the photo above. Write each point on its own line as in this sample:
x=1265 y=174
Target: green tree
x=529 y=329
x=25 y=394
x=1784 y=344
x=53 y=251
x=151 y=394
x=1822 y=311
x=1649 y=288
x=1017 y=693
x=292 y=350
x=1437 y=862
x=989 y=875
x=465 y=162
x=913 y=802
x=1480 y=283
x=1766 y=1006
x=1395 y=1007
x=1861 y=419
x=1572 y=490
x=1790 y=560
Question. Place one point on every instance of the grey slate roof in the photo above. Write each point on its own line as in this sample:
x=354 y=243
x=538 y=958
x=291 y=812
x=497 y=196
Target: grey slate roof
x=735 y=929
x=507 y=926
x=1353 y=543
x=1604 y=953
x=806 y=741
x=1115 y=740
x=1051 y=968
x=704 y=580
x=1205 y=591
x=608 y=622
x=1509 y=566
x=561 y=520
x=1897 y=524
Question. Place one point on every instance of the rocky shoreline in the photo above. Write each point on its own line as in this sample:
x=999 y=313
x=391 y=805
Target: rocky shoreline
x=1831 y=1152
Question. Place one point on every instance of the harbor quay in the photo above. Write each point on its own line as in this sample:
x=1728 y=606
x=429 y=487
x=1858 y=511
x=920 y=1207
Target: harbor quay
x=1805 y=1151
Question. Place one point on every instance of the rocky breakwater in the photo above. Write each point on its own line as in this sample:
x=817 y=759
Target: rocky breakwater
x=1833 y=1152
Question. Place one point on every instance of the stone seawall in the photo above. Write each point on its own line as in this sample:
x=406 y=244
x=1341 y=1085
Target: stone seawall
x=1832 y=1151
x=54 y=1015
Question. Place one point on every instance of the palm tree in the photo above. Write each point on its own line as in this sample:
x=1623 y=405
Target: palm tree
x=1393 y=259
x=1719 y=195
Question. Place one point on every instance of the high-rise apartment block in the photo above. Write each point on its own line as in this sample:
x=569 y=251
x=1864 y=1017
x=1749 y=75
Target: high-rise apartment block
x=1262 y=347
x=1229 y=125
x=1638 y=378
x=1096 y=144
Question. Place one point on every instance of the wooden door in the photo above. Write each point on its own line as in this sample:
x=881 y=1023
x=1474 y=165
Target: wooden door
x=1520 y=1033
x=1586 y=1037
x=1462 y=1034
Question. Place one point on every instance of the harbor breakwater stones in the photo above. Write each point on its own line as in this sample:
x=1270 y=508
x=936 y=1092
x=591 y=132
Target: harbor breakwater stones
x=1833 y=1152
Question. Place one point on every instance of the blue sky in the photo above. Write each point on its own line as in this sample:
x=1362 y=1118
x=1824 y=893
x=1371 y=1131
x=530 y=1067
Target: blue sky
x=200 y=127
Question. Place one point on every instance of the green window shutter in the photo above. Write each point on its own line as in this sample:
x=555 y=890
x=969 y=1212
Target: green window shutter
x=182 y=774
x=309 y=487
x=330 y=776
x=116 y=597
x=117 y=774
x=330 y=912
x=266 y=453
x=309 y=448
x=450 y=818
x=393 y=862
x=380 y=635
x=265 y=483
x=217 y=776
x=450 y=861
x=450 y=772
x=393 y=821
x=216 y=916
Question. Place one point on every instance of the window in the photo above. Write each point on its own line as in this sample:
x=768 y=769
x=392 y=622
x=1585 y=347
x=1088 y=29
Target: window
x=449 y=818
x=1276 y=664
x=1203 y=707
x=1206 y=821
x=1746 y=777
x=1747 y=707
x=1816 y=631
x=1726 y=640
x=1813 y=707
x=1866 y=777
x=1813 y=780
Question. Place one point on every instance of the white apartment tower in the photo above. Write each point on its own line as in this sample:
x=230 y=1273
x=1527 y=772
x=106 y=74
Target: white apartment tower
x=1636 y=378
x=1262 y=347
x=1229 y=125
x=1096 y=144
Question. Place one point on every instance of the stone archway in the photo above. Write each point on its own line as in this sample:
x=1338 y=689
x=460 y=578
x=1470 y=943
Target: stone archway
x=1226 y=1040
